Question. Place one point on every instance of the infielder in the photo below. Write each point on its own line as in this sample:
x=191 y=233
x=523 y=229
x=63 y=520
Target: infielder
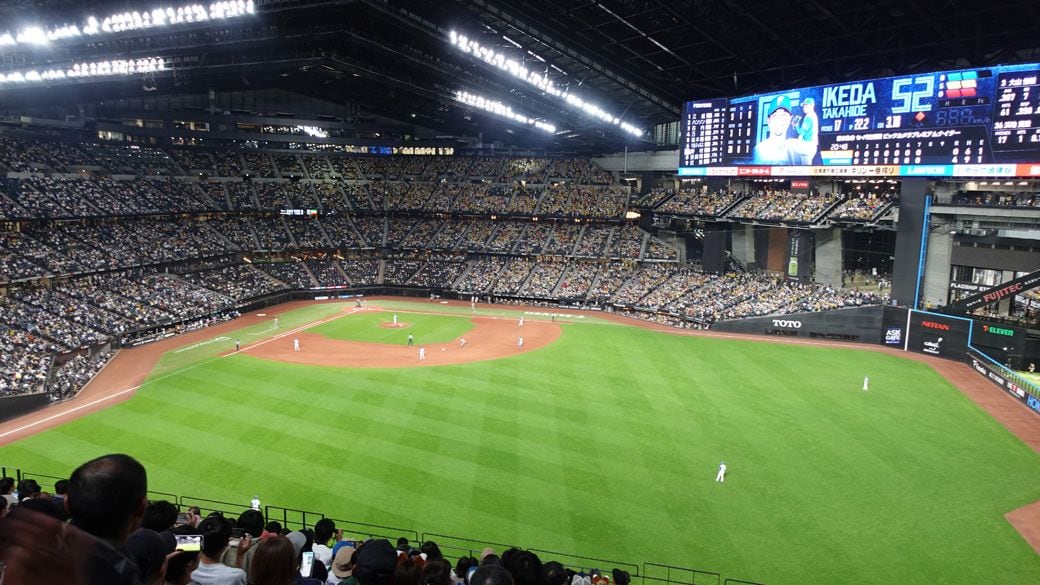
x=422 y=353
x=721 y=475
x=462 y=342
x=296 y=344
x=519 y=342
x=521 y=323
x=238 y=345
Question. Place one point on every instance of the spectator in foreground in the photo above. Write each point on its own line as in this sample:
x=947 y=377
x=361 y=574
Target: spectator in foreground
x=491 y=574
x=216 y=533
x=375 y=563
x=61 y=487
x=252 y=523
x=7 y=491
x=342 y=566
x=149 y=552
x=180 y=566
x=436 y=572
x=274 y=563
x=106 y=500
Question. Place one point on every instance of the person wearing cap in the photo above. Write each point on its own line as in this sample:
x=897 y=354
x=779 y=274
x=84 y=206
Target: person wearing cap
x=778 y=147
x=342 y=565
x=809 y=126
x=149 y=551
x=375 y=563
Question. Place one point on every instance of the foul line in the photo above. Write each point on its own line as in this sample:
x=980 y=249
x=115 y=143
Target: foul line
x=164 y=376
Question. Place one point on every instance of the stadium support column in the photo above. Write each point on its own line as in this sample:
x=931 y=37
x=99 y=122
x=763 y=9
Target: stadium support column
x=743 y=241
x=829 y=246
x=911 y=241
x=716 y=240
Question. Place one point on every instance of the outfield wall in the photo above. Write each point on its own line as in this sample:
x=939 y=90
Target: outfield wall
x=855 y=324
x=16 y=406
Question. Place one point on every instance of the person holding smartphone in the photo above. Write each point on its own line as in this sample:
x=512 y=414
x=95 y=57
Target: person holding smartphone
x=275 y=563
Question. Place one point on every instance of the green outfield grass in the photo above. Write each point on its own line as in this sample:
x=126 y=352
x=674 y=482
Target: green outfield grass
x=372 y=328
x=605 y=444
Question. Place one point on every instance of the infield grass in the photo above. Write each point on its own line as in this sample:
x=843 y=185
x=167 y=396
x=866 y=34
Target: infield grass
x=604 y=444
x=378 y=328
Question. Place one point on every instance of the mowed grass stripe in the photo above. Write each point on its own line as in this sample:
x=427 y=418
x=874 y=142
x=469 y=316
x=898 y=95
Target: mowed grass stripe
x=606 y=443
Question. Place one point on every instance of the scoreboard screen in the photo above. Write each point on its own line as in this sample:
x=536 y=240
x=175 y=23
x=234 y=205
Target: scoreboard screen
x=976 y=122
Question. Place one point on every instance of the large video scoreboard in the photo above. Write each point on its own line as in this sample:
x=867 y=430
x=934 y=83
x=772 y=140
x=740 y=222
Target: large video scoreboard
x=975 y=122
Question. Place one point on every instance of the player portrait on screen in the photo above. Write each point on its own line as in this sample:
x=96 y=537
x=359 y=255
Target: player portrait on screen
x=788 y=140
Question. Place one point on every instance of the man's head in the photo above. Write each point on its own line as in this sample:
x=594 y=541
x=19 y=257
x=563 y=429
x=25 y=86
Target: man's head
x=553 y=573
x=779 y=116
x=28 y=488
x=159 y=515
x=216 y=532
x=491 y=575
x=107 y=496
x=808 y=104
x=525 y=567
x=6 y=485
x=323 y=530
x=252 y=522
x=61 y=487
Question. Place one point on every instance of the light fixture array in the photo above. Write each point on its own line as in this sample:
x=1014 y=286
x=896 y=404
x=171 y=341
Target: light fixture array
x=128 y=21
x=499 y=109
x=86 y=70
x=539 y=80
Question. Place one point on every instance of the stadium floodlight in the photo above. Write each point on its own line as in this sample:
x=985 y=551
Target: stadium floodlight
x=538 y=80
x=313 y=131
x=130 y=21
x=499 y=109
x=87 y=70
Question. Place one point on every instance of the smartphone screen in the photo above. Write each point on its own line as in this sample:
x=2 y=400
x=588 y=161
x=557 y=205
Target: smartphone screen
x=306 y=563
x=237 y=533
x=183 y=518
x=189 y=542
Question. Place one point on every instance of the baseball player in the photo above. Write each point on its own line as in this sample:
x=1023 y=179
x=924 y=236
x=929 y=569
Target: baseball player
x=519 y=342
x=521 y=323
x=866 y=383
x=462 y=342
x=255 y=503
x=422 y=353
x=721 y=475
x=395 y=319
x=238 y=344
x=777 y=148
x=411 y=340
x=296 y=344
x=276 y=322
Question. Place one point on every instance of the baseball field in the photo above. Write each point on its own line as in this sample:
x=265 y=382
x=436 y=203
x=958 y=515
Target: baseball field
x=594 y=439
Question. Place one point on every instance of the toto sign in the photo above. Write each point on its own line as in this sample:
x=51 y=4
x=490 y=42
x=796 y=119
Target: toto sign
x=787 y=323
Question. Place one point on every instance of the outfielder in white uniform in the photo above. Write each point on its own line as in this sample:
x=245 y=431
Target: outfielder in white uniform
x=721 y=475
x=866 y=383
x=296 y=344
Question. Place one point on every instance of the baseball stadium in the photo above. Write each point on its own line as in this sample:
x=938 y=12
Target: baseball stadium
x=629 y=292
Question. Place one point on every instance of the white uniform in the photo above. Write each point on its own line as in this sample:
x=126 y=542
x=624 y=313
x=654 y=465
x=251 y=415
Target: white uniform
x=521 y=323
x=296 y=344
x=866 y=383
x=395 y=318
x=255 y=504
x=276 y=322
x=462 y=342
x=422 y=353
x=721 y=475
x=519 y=342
